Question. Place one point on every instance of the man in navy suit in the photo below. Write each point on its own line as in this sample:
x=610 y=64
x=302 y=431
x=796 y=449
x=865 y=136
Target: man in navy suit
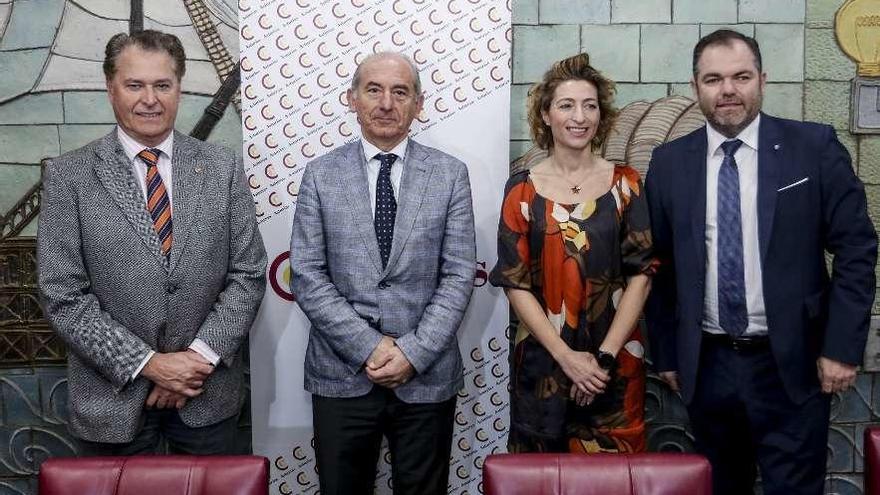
x=744 y=318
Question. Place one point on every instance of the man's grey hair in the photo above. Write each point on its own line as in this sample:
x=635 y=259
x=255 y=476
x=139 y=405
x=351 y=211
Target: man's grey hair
x=417 y=82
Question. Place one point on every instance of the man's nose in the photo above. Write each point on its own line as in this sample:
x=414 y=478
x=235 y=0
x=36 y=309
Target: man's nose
x=148 y=96
x=727 y=86
x=386 y=101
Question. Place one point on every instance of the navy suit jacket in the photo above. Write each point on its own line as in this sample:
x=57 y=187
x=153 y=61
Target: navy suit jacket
x=809 y=312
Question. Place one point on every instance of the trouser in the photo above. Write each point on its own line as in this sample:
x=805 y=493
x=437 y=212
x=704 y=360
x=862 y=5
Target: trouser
x=348 y=436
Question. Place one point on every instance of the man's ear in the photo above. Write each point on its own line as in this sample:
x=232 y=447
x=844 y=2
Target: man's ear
x=350 y=97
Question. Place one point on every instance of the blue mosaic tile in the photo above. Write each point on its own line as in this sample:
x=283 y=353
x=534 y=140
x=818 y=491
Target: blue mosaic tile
x=87 y=107
x=51 y=441
x=27 y=65
x=32 y=25
x=841 y=449
x=21 y=399
x=854 y=405
x=44 y=108
x=875 y=397
x=662 y=405
x=25 y=486
x=860 y=446
x=843 y=485
x=574 y=12
x=13 y=460
x=53 y=395
x=669 y=438
x=519 y=122
x=519 y=148
x=15 y=181
x=28 y=144
x=525 y=12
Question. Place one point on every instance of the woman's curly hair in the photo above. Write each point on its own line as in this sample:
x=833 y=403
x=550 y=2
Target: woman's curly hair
x=541 y=95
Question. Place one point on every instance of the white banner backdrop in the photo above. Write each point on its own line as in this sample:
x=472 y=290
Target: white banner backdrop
x=297 y=61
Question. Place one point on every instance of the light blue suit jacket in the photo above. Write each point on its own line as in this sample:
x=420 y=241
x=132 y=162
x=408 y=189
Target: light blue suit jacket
x=419 y=299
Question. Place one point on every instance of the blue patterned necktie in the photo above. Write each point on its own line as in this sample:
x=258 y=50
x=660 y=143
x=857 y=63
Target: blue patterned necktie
x=732 y=311
x=386 y=206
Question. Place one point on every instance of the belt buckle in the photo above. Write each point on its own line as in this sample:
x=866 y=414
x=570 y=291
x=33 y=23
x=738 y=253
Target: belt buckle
x=737 y=344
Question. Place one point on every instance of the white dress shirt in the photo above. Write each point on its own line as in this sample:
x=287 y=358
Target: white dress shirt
x=139 y=167
x=747 y=165
x=373 y=165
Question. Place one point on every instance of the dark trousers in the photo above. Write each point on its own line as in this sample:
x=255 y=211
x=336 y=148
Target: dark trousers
x=216 y=439
x=741 y=415
x=348 y=436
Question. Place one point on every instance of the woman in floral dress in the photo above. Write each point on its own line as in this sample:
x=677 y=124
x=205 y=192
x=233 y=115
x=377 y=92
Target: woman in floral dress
x=574 y=258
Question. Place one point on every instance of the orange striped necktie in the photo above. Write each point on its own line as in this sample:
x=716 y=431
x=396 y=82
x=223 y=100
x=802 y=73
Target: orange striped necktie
x=157 y=199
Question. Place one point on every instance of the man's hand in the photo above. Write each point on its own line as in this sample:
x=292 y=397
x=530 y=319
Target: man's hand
x=396 y=371
x=835 y=376
x=671 y=379
x=162 y=398
x=381 y=354
x=181 y=372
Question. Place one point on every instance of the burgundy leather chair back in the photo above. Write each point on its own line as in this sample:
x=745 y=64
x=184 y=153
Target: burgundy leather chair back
x=155 y=475
x=597 y=474
x=872 y=460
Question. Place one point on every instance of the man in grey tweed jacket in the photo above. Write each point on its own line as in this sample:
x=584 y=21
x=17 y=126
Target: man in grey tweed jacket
x=153 y=318
x=383 y=261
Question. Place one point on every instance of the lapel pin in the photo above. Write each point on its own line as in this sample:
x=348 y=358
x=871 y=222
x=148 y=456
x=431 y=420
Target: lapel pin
x=776 y=147
x=199 y=169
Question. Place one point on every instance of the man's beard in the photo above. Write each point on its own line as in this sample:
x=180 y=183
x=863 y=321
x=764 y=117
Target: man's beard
x=730 y=129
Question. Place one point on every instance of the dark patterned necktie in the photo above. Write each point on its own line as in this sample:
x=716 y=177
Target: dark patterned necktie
x=386 y=206
x=157 y=199
x=732 y=311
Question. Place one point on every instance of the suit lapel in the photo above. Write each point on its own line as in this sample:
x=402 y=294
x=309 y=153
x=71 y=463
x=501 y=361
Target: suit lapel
x=696 y=190
x=770 y=159
x=357 y=195
x=409 y=199
x=188 y=179
x=114 y=172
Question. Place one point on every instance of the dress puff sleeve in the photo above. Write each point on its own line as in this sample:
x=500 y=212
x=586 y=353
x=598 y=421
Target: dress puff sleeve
x=636 y=248
x=512 y=268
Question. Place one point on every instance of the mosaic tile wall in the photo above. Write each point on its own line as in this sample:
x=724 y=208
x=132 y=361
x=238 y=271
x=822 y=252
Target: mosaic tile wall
x=52 y=100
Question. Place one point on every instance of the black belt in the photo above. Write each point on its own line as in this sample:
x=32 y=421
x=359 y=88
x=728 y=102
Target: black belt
x=742 y=344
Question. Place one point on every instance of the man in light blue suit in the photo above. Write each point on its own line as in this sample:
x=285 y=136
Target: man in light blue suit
x=383 y=260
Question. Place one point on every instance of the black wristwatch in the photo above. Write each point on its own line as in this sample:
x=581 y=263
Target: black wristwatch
x=606 y=361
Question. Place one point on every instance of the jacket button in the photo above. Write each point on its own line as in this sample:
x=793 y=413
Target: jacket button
x=383 y=285
x=172 y=288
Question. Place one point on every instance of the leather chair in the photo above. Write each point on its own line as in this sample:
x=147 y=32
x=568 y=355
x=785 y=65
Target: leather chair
x=872 y=460
x=152 y=475
x=597 y=474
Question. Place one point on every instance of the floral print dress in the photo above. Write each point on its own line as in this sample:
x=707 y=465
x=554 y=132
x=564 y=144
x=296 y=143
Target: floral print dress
x=575 y=259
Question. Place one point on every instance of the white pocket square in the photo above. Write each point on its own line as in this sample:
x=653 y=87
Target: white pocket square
x=793 y=184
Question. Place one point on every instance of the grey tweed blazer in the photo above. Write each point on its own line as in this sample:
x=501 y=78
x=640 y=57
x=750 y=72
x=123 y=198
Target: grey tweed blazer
x=112 y=296
x=419 y=298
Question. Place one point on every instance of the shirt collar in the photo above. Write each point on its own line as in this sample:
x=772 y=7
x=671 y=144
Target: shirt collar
x=132 y=147
x=749 y=136
x=371 y=150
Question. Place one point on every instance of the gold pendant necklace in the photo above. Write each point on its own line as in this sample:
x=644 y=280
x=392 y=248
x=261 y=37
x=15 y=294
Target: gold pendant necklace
x=576 y=188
